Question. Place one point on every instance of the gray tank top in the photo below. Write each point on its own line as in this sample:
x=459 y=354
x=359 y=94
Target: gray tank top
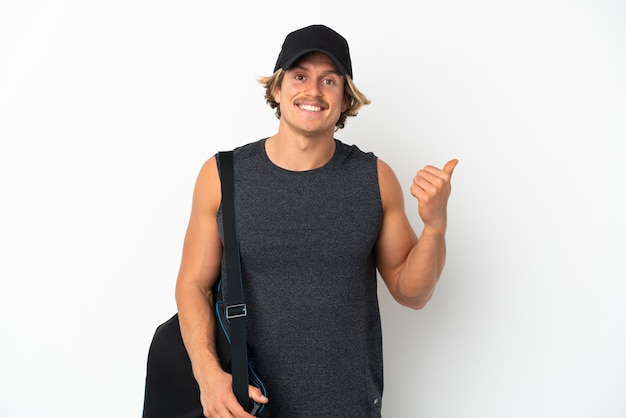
x=309 y=272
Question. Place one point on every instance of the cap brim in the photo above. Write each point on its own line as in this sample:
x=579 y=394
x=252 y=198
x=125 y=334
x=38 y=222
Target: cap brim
x=291 y=61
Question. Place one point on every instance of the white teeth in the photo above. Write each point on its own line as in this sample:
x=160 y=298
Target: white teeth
x=310 y=108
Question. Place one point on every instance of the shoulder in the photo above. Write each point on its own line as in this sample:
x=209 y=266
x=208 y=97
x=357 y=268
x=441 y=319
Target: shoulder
x=209 y=169
x=208 y=190
x=354 y=151
x=353 y=158
x=249 y=150
x=385 y=172
x=207 y=193
x=390 y=189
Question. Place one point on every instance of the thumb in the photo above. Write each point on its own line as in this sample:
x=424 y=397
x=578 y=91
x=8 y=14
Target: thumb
x=449 y=167
x=256 y=395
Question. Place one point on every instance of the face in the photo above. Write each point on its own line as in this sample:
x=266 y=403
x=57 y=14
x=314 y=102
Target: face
x=311 y=96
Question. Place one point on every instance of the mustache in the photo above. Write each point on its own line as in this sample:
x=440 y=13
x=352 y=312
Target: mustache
x=314 y=102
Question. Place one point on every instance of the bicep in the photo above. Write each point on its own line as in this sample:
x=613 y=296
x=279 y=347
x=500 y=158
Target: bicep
x=202 y=248
x=396 y=237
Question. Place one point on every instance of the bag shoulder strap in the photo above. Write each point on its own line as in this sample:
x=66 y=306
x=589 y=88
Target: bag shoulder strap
x=236 y=309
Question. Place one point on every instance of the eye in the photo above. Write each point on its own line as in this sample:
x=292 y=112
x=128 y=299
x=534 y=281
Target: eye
x=299 y=77
x=328 y=82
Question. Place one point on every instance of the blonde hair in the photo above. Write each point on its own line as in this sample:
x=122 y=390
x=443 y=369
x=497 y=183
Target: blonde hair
x=355 y=98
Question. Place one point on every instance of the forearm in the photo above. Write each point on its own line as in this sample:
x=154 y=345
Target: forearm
x=422 y=268
x=197 y=325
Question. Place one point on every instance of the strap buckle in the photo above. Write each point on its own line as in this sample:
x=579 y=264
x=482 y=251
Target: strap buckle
x=236 y=311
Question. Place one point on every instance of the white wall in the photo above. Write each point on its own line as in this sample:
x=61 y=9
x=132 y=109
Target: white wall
x=108 y=109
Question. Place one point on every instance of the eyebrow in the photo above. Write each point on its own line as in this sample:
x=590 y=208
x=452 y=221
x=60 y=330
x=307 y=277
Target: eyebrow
x=303 y=68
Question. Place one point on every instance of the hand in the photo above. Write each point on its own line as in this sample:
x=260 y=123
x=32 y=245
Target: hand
x=431 y=188
x=218 y=399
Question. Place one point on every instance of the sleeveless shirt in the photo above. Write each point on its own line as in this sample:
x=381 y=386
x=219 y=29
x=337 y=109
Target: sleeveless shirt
x=309 y=277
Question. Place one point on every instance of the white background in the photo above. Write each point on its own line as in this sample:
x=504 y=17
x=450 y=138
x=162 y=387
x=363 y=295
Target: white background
x=108 y=109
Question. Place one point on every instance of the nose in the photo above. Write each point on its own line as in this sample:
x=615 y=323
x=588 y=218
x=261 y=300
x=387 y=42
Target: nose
x=313 y=88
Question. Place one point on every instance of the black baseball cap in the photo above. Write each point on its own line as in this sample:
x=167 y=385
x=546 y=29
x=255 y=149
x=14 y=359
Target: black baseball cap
x=315 y=38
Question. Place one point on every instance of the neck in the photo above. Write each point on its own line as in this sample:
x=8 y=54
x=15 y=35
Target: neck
x=300 y=153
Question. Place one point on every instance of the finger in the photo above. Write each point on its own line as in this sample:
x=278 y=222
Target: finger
x=430 y=178
x=449 y=167
x=229 y=408
x=222 y=412
x=426 y=182
x=256 y=395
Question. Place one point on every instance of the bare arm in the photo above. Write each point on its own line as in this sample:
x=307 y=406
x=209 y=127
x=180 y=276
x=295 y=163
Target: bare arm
x=199 y=270
x=411 y=266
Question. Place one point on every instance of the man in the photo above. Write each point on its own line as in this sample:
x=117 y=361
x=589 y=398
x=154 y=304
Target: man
x=316 y=219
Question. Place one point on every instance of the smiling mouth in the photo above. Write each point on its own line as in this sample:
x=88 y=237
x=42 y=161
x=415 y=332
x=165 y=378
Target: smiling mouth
x=310 y=107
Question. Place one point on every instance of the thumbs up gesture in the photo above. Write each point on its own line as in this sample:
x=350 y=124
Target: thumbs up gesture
x=431 y=187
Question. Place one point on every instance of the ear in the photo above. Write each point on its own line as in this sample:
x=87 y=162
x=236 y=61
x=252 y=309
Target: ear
x=276 y=94
x=346 y=100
